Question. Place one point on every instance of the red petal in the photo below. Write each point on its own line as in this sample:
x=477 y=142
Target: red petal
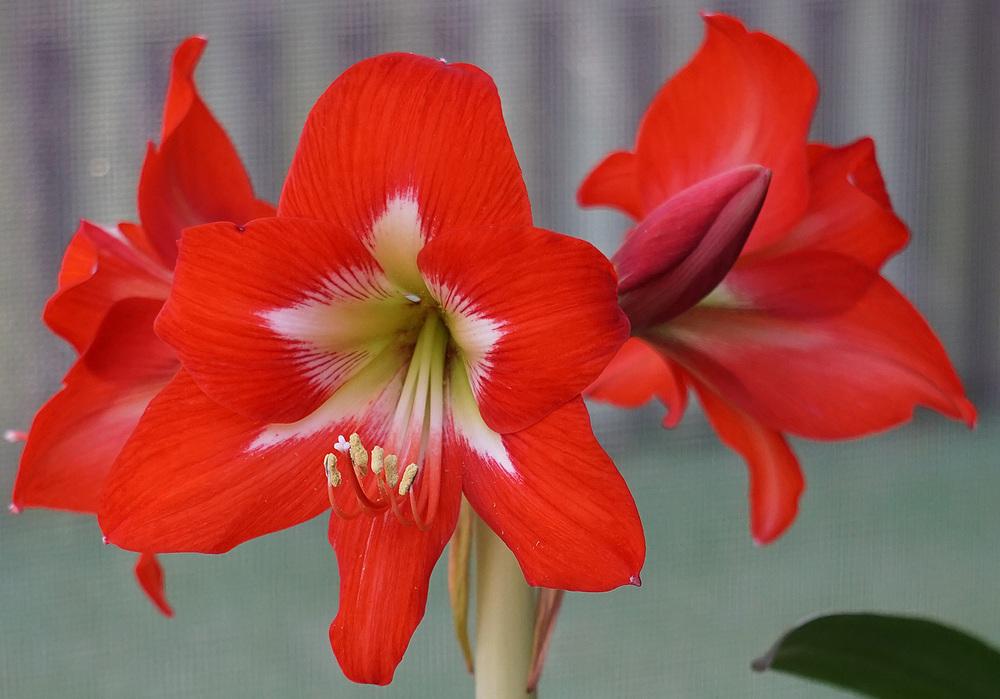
x=849 y=210
x=197 y=477
x=400 y=126
x=535 y=314
x=614 y=182
x=817 y=344
x=126 y=349
x=271 y=321
x=384 y=570
x=776 y=481
x=744 y=98
x=195 y=176
x=684 y=248
x=636 y=375
x=555 y=498
x=77 y=435
x=100 y=267
x=149 y=575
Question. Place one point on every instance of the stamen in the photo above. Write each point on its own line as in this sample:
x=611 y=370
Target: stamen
x=333 y=480
x=359 y=456
x=333 y=477
x=392 y=470
x=408 y=475
x=359 y=469
x=377 y=463
x=412 y=298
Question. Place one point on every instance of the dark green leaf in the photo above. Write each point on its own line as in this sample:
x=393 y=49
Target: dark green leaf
x=889 y=657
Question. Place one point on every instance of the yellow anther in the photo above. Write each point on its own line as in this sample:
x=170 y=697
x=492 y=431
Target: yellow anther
x=330 y=465
x=359 y=457
x=408 y=475
x=392 y=470
x=377 y=454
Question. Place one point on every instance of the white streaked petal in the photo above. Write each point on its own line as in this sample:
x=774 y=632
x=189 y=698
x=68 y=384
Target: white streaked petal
x=395 y=241
x=475 y=333
x=469 y=425
x=352 y=317
x=373 y=392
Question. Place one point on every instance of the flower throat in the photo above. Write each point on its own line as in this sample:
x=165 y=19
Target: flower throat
x=377 y=479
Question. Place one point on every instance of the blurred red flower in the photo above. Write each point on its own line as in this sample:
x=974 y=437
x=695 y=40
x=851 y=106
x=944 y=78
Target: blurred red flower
x=403 y=297
x=802 y=335
x=112 y=284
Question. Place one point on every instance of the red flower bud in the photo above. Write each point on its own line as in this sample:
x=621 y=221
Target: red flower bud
x=684 y=247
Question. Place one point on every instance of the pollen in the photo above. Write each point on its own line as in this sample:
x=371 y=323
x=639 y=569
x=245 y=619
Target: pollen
x=378 y=481
x=392 y=470
x=408 y=475
x=333 y=477
x=378 y=455
x=359 y=456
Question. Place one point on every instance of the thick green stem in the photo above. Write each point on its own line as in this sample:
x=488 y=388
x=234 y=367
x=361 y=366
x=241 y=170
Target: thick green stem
x=505 y=620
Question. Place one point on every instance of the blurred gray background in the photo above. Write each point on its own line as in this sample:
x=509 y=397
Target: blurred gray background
x=905 y=522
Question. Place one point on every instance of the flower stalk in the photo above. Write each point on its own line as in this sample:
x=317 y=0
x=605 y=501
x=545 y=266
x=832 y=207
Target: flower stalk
x=505 y=620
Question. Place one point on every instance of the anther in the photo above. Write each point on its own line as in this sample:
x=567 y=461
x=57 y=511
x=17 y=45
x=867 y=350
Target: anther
x=412 y=298
x=392 y=470
x=377 y=460
x=359 y=457
x=408 y=475
x=332 y=474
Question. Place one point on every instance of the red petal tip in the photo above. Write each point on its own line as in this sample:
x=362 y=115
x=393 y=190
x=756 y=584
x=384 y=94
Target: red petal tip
x=13 y=509
x=105 y=540
x=189 y=50
x=14 y=436
x=635 y=580
x=967 y=413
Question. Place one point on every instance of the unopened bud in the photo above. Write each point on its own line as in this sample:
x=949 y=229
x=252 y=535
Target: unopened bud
x=685 y=247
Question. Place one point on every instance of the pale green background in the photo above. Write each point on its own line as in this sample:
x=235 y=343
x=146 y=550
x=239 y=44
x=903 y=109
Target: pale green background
x=908 y=522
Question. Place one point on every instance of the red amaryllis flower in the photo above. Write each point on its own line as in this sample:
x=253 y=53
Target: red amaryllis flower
x=803 y=335
x=112 y=285
x=404 y=298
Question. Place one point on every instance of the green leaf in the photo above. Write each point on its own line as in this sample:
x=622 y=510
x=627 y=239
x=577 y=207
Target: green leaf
x=890 y=657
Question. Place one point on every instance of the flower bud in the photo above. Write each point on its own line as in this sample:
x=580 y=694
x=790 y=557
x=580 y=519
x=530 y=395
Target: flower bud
x=685 y=247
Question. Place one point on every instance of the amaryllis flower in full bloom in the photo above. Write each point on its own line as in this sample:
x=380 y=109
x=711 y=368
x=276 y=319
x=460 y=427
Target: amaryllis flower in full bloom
x=802 y=335
x=112 y=284
x=398 y=337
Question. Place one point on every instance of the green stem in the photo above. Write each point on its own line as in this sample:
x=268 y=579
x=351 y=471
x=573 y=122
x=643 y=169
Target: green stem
x=505 y=620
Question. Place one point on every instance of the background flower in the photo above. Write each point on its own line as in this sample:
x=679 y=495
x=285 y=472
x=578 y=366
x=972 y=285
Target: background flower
x=111 y=286
x=802 y=335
